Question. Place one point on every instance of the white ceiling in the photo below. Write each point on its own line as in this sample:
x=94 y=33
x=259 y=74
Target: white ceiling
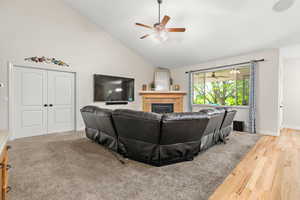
x=215 y=28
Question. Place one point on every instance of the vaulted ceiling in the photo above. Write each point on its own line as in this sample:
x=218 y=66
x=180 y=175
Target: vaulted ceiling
x=215 y=28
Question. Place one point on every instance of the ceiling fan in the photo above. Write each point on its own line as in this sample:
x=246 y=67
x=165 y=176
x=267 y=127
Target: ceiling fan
x=213 y=75
x=159 y=28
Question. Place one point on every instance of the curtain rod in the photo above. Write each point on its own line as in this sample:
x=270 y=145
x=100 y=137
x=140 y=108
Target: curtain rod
x=232 y=65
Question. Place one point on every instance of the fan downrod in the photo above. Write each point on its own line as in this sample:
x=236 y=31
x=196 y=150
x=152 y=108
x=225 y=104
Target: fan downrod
x=159 y=3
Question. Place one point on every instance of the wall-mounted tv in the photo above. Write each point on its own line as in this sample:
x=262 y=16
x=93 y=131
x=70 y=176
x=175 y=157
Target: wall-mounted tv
x=113 y=89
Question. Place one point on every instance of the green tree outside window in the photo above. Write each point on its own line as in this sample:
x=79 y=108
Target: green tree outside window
x=229 y=87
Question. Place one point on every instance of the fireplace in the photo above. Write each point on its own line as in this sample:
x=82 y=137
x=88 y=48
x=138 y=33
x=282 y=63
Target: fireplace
x=162 y=102
x=162 y=107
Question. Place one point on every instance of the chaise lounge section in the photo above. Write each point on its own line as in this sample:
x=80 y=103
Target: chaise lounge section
x=157 y=139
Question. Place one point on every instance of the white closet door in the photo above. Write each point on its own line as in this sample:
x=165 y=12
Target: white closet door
x=61 y=101
x=30 y=98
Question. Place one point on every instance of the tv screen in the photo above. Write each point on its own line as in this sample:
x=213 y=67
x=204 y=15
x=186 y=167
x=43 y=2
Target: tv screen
x=111 y=88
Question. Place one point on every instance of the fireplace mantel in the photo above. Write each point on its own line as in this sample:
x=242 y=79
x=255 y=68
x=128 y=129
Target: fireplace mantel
x=163 y=97
x=163 y=92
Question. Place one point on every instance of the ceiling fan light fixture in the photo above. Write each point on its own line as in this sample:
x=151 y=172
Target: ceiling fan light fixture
x=235 y=71
x=160 y=36
x=283 y=5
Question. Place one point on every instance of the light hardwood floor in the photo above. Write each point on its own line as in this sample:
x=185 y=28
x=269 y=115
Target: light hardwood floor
x=270 y=171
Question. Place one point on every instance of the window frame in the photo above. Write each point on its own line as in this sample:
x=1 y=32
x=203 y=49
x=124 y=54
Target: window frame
x=215 y=106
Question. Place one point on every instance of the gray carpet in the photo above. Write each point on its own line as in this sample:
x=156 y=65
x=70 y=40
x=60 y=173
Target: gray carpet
x=70 y=167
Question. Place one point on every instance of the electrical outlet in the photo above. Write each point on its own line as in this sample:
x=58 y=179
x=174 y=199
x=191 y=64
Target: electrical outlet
x=1 y=85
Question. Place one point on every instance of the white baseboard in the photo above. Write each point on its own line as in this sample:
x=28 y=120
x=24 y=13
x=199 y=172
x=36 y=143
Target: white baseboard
x=266 y=132
x=291 y=126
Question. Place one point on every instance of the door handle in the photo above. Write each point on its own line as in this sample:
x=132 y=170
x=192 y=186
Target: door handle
x=45 y=105
x=8 y=167
x=8 y=189
x=51 y=105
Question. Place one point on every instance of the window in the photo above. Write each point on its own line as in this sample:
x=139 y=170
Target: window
x=227 y=87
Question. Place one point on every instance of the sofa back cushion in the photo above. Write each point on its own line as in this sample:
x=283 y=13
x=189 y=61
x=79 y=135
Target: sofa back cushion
x=137 y=125
x=99 y=118
x=182 y=127
x=228 y=119
x=216 y=118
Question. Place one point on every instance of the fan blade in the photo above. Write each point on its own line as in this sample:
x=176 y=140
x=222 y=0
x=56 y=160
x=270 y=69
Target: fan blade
x=143 y=25
x=143 y=37
x=176 y=29
x=165 y=20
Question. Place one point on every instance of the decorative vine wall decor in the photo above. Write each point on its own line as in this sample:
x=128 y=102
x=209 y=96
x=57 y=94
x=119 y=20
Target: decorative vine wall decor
x=47 y=60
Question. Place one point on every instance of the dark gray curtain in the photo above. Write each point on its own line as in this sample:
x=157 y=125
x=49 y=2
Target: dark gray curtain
x=252 y=98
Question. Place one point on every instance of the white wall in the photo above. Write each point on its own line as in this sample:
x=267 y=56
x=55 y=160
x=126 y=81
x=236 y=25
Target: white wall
x=267 y=90
x=290 y=63
x=53 y=29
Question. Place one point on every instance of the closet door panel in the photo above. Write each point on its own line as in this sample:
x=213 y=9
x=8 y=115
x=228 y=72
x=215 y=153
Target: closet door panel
x=30 y=100
x=61 y=101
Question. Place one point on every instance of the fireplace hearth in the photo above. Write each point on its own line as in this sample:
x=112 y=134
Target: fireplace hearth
x=162 y=107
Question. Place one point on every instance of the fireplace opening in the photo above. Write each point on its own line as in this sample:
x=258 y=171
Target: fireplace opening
x=162 y=107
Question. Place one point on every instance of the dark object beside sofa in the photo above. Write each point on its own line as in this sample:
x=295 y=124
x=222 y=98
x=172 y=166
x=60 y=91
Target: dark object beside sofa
x=157 y=139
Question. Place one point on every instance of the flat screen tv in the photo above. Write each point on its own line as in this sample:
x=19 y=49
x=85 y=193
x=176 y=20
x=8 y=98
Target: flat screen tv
x=113 y=89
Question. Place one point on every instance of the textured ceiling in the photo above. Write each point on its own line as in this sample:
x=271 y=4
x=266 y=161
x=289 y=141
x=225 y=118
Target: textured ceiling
x=215 y=28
